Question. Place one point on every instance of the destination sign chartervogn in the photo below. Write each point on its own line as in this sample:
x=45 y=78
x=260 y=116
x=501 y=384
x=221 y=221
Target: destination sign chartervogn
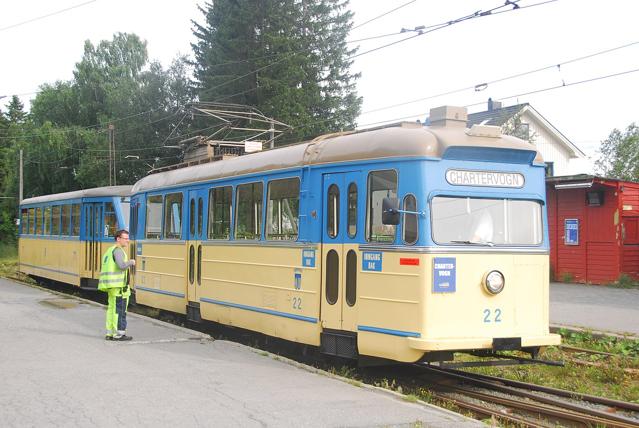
x=461 y=177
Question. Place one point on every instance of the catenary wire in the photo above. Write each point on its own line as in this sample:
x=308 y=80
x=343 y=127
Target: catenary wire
x=47 y=15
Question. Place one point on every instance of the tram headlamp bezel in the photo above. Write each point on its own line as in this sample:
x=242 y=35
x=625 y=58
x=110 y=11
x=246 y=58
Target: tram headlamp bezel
x=494 y=282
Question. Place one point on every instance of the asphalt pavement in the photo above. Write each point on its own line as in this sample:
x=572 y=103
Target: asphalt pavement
x=595 y=307
x=57 y=370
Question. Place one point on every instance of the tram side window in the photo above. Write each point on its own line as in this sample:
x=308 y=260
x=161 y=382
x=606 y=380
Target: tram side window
x=31 y=221
x=283 y=209
x=332 y=206
x=55 y=220
x=410 y=220
x=173 y=216
x=66 y=220
x=220 y=211
x=38 y=222
x=154 y=217
x=352 y=210
x=133 y=226
x=248 y=222
x=75 y=219
x=47 y=220
x=23 y=221
x=381 y=184
x=110 y=220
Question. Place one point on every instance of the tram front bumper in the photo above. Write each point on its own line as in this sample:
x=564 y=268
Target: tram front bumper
x=478 y=342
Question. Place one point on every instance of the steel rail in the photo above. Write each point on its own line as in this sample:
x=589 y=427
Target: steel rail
x=547 y=410
x=546 y=400
x=555 y=391
x=480 y=410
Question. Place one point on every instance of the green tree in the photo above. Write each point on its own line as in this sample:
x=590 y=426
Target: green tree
x=114 y=82
x=287 y=58
x=13 y=124
x=619 y=154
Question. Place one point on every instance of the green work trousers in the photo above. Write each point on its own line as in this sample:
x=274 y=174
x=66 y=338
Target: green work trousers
x=116 y=312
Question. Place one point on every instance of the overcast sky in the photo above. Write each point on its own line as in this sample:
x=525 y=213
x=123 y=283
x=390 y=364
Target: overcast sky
x=459 y=56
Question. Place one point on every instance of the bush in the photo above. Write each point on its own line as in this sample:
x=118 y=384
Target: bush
x=567 y=277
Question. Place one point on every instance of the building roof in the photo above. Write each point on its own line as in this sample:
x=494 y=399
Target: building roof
x=585 y=178
x=495 y=117
x=499 y=116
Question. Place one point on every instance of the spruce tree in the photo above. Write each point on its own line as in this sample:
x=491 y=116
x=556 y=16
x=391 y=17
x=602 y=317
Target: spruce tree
x=287 y=58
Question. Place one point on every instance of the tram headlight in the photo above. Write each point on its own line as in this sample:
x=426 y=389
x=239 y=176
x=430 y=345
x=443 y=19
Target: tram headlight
x=494 y=282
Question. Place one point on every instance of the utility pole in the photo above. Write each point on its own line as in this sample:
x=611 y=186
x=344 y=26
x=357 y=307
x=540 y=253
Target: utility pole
x=21 y=180
x=111 y=155
x=271 y=134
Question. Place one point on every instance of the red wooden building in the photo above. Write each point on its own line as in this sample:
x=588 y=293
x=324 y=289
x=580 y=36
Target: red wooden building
x=593 y=227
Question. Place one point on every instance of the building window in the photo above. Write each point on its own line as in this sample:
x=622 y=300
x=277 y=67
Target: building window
x=550 y=169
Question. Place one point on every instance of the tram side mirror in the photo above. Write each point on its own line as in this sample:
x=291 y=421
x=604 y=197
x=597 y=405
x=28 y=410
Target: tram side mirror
x=390 y=211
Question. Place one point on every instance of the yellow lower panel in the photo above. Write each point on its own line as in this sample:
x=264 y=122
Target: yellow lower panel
x=387 y=346
x=54 y=259
x=256 y=288
x=477 y=343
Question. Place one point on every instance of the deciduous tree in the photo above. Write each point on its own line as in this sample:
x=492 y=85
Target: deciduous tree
x=619 y=154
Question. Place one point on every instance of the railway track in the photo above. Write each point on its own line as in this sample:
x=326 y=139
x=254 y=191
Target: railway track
x=528 y=404
x=575 y=356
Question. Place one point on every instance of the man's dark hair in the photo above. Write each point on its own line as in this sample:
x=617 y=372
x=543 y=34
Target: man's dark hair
x=120 y=232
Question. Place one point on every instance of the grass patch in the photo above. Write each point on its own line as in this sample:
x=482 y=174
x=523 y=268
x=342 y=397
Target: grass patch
x=603 y=375
x=625 y=281
x=614 y=345
x=411 y=398
x=8 y=260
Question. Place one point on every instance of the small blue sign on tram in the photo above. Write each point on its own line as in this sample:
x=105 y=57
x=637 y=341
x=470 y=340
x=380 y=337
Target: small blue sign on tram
x=444 y=275
x=308 y=258
x=571 y=231
x=372 y=261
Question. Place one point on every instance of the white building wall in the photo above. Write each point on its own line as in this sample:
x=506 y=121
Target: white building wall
x=553 y=150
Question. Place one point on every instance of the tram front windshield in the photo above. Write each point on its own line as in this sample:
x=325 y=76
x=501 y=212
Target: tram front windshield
x=489 y=222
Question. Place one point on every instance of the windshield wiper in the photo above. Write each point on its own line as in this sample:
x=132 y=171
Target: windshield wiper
x=485 y=243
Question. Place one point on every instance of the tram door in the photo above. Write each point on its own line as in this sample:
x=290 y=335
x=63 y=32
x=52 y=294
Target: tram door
x=92 y=219
x=339 y=251
x=195 y=235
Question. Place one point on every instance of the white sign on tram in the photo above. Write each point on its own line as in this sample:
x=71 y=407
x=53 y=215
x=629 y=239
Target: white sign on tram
x=461 y=177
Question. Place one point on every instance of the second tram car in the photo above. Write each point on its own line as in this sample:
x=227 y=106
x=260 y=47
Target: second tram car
x=63 y=236
x=404 y=242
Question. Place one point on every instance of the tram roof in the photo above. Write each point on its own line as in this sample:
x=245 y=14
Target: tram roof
x=402 y=140
x=77 y=194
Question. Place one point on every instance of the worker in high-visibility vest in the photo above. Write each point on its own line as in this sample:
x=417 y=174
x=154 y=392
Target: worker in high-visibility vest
x=113 y=280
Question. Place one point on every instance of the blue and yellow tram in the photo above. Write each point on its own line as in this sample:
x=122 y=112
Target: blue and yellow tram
x=398 y=242
x=63 y=236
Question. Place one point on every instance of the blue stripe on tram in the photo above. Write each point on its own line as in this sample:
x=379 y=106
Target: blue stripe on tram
x=388 y=331
x=157 y=291
x=260 y=310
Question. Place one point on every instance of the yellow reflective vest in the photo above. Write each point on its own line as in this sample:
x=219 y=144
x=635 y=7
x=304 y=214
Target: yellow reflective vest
x=111 y=276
